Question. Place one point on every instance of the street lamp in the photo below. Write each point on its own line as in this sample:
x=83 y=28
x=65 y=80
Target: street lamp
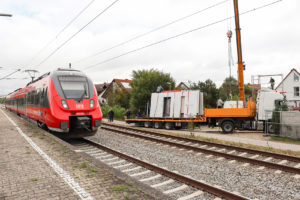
x=5 y=15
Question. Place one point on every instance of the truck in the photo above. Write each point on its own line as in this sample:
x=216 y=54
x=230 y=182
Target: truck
x=227 y=118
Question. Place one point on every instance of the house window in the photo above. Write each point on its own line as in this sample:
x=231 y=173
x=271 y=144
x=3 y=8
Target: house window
x=296 y=77
x=296 y=91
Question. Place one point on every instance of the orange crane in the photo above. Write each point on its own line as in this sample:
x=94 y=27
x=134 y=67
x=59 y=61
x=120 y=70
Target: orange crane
x=230 y=118
x=241 y=66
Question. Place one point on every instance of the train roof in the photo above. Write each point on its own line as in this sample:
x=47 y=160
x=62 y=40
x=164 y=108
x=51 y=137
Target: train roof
x=59 y=72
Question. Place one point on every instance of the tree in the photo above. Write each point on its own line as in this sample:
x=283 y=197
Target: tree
x=145 y=82
x=2 y=100
x=122 y=98
x=230 y=85
x=210 y=90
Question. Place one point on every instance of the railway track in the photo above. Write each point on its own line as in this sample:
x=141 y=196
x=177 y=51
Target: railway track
x=263 y=159
x=135 y=167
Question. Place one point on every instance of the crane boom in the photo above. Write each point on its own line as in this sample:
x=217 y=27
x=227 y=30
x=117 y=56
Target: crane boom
x=239 y=51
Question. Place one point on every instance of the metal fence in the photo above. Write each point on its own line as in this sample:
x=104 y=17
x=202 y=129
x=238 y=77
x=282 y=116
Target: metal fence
x=283 y=124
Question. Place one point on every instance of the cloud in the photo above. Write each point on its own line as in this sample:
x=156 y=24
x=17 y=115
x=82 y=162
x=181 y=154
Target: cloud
x=270 y=39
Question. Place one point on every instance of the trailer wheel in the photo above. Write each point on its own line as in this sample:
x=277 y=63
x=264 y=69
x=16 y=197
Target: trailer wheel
x=157 y=125
x=270 y=128
x=148 y=124
x=169 y=125
x=227 y=126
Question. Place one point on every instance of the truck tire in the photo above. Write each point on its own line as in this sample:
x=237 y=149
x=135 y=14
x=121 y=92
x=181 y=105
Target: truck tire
x=157 y=125
x=148 y=124
x=169 y=125
x=227 y=126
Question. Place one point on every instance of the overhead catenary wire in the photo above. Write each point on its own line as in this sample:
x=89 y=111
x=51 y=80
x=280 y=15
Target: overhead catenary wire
x=60 y=32
x=178 y=35
x=70 y=38
x=10 y=74
x=151 y=31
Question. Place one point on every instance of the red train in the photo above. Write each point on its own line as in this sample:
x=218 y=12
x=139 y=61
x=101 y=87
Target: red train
x=63 y=101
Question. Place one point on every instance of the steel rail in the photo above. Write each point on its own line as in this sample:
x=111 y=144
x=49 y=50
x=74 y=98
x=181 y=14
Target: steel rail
x=241 y=149
x=215 y=153
x=189 y=181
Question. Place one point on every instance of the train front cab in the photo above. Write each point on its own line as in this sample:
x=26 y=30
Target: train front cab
x=74 y=105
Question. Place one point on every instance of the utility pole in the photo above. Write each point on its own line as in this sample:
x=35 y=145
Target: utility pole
x=31 y=73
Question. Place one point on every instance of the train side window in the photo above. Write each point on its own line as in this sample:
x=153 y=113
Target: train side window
x=42 y=98
x=37 y=97
x=46 y=100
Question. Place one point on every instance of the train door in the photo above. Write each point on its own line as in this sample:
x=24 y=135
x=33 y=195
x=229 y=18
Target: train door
x=25 y=104
x=42 y=111
x=44 y=104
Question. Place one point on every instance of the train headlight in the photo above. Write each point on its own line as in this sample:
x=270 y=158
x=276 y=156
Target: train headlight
x=64 y=104
x=92 y=103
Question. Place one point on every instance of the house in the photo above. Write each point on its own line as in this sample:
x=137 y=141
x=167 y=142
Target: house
x=101 y=87
x=290 y=86
x=256 y=86
x=123 y=84
x=183 y=86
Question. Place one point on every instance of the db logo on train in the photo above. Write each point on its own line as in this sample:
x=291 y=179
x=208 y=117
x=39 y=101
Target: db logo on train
x=79 y=106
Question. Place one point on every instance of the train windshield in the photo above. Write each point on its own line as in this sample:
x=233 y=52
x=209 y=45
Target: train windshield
x=74 y=87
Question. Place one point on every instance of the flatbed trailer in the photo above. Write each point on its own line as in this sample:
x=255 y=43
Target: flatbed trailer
x=166 y=123
x=227 y=118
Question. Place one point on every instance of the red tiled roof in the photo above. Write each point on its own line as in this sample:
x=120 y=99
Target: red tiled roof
x=256 y=86
x=120 y=81
x=99 y=87
x=287 y=76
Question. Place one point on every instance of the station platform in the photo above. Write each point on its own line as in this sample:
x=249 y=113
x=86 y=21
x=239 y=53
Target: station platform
x=252 y=138
x=36 y=165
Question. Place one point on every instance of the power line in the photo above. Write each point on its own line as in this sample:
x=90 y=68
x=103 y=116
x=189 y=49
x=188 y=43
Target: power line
x=181 y=34
x=53 y=52
x=10 y=74
x=60 y=32
x=151 y=31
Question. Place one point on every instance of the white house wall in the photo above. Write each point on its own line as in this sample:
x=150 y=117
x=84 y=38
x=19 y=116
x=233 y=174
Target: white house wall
x=287 y=86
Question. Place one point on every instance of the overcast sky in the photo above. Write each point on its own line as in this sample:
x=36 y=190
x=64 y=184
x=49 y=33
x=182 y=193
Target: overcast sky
x=270 y=38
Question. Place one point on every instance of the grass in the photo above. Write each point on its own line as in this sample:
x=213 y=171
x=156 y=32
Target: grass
x=34 y=179
x=83 y=165
x=94 y=170
x=120 y=188
x=126 y=197
x=27 y=152
x=285 y=140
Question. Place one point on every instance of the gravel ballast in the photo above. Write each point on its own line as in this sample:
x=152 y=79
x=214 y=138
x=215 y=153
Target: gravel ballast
x=248 y=181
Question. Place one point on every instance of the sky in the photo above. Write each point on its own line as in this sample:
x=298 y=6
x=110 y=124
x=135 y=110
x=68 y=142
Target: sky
x=270 y=39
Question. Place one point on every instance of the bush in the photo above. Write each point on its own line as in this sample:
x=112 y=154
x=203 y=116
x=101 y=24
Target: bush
x=119 y=112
